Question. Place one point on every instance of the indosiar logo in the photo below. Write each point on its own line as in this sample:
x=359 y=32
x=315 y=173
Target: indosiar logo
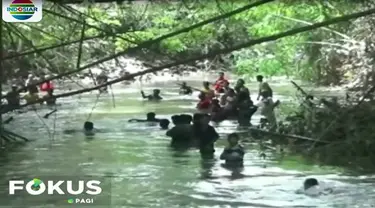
x=22 y=10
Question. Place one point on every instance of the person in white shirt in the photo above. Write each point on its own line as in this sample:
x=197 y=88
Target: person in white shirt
x=264 y=88
x=267 y=110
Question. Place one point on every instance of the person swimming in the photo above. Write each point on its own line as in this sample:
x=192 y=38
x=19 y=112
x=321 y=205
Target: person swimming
x=310 y=182
x=154 y=97
x=185 y=90
x=150 y=117
x=164 y=124
x=234 y=153
x=312 y=187
x=88 y=128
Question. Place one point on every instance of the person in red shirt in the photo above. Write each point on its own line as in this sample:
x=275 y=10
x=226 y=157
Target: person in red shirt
x=47 y=86
x=204 y=102
x=220 y=83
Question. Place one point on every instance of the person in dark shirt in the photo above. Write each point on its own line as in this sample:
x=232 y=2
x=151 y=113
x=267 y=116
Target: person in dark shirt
x=207 y=136
x=150 y=117
x=154 y=97
x=13 y=97
x=164 y=124
x=186 y=119
x=50 y=100
x=181 y=133
x=246 y=109
x=240 y=87
x=185 y=90
x=233 y=154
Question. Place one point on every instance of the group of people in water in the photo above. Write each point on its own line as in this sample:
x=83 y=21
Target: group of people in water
x=13 y=97
x=223 y=102
x=216 y=104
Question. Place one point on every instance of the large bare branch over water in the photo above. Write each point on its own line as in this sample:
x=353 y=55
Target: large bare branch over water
x=223 y=51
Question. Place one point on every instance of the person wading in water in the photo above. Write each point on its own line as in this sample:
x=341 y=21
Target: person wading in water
x=240 y=87
x=154 y=97
x=220 y=83
x=264 y=88
x=207 y=136
x=13 y=97
x=185 y=90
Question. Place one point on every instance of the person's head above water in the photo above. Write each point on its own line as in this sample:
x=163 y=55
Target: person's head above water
x=186 y=118
x=205 y=119
x=231 y=92
x=310 y=182
x=215 y=102
x=150 y=116
x=14 y=87
x=164 y=123
x=88 y=126
x=206 y=85
x=221 y=75
x=197 y=117
x=259 y=78
x=156 y=91
x=240 y=82
x=309 y=97
x=202 y=96
x=176 y=119
x=233 y=139
x=183 y=84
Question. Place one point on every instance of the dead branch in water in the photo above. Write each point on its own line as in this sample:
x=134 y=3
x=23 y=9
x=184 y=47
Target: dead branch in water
x=212 y=54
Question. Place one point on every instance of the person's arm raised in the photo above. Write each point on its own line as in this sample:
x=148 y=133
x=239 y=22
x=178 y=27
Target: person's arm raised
x=143 y=94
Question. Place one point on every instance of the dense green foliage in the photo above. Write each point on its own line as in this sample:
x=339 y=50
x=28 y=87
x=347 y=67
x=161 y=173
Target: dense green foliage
x=292 y=56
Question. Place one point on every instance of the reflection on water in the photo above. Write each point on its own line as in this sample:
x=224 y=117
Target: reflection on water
x=145 y=172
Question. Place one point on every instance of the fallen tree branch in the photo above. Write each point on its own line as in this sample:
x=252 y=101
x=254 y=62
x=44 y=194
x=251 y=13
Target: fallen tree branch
x=309 y=23
x=157 y=40
x=286 y=135
x=213 y=54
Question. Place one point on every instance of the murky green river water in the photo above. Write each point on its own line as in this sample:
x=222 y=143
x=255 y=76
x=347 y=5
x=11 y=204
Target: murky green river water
x=146 y=173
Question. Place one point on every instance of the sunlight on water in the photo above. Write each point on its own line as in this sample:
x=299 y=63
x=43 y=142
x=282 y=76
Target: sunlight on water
x=146 y=173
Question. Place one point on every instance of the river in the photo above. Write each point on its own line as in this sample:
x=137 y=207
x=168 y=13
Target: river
x=146 y=173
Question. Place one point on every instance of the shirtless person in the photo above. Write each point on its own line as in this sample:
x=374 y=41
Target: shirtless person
x=154 y=97
x=264 y=88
